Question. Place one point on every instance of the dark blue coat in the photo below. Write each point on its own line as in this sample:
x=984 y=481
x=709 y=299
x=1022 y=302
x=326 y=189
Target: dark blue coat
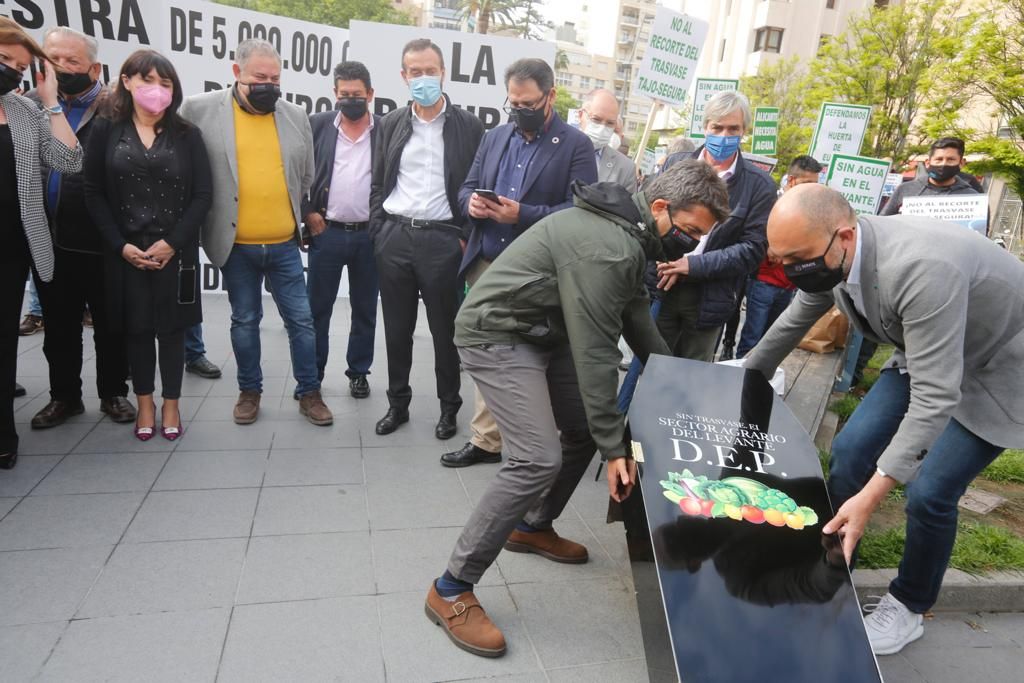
x=735 y=248
x=566 y=155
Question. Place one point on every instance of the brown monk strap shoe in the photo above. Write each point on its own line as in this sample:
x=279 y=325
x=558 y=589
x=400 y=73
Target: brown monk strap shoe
x=118 y=408
x=466 y=623
x=56 y=413
x=316 y=411
x=247 y=407
x=549 y=544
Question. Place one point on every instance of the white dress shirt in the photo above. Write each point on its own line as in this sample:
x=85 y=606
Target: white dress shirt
x=349 y=198
x=420 y=191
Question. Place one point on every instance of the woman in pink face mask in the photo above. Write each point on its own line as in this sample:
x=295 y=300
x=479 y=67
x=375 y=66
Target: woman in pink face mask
x=148 y=188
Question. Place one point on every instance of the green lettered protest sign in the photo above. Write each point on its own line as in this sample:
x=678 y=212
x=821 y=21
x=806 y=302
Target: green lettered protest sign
x=766 y=131
x=840 y=130
x=671 y=56
x=705 y=90
x=859 y=179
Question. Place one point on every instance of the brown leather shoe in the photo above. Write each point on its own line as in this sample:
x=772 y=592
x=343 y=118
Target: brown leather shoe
x=466 y=623
x=316 y=411
x=549 y=544
x=30 y=325
x=247 y=407
x=56 y=413
x=119 y=408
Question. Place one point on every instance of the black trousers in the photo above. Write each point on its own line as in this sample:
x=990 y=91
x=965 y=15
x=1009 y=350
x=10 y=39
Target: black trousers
x=14 y=265
x=78 y=280
x=732 y=326
x=414 y=263
x=143 y=357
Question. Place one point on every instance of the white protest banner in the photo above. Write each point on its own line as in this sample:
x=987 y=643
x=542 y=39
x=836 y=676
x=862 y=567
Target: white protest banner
x=202 y=36
x=199 y=38
x=892 y=181
x=840 y=129
x=647 y=163
x=969 y=210
x=859 y=179
x=705 y=90
x=573 y=116
x=670 y=59
x=474 y=65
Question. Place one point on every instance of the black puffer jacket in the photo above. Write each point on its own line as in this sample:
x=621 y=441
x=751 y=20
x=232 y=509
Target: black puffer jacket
x=736 y=247
x=462 y=133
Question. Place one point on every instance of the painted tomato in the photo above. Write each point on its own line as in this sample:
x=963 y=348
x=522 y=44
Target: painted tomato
x=690 y=506
x=706 y=506
x=752 y=514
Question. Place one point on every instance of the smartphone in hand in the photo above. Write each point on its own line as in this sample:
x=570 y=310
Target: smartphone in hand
x=489 y=195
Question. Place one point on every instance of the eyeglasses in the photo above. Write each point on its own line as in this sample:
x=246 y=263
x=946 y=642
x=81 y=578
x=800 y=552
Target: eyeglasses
x=508 y=109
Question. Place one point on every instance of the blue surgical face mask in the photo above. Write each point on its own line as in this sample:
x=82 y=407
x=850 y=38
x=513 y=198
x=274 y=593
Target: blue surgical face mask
x=721 y=147
x=425 y=90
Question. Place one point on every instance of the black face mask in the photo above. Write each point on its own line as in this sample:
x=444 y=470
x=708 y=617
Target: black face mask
x=943 y=173
x=815 y=276
x=676 y=244
x=353 y=108
x=10 y=79
x=530 y=120
x=72 y=83
x=263 y=97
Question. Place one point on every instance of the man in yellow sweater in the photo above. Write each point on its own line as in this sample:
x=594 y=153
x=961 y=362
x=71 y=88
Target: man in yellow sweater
x=261 y=155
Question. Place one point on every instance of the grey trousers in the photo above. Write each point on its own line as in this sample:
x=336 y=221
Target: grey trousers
x=534 y=396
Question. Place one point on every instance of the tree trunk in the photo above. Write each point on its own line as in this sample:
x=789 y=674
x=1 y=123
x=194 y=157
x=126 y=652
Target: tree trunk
x=483 y=22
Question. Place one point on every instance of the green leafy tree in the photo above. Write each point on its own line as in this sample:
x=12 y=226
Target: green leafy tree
x=783 y=85
x=488 y=13
x=564 y=102
x=528 y=21
x=889 y=58
x=986 y=75
x=330 y=12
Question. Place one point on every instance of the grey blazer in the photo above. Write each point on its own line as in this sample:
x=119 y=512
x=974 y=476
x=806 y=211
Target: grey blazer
x=213 y=113
x=952 y=303
x=616 y=167
x=35 y=145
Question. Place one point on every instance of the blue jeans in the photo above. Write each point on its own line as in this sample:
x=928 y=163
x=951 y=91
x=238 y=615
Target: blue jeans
x=952 y=462
x=329 y=253
x=243 y=274
x=194 y=346
x=34 y=307
x=765 y=303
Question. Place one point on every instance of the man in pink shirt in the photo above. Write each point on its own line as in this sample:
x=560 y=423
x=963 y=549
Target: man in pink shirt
x=336 y=215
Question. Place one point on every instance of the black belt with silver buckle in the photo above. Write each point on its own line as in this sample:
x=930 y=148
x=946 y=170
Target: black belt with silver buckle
x=421 y=223
x=348 y=227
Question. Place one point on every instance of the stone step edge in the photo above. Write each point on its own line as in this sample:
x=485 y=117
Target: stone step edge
x=1001 y=591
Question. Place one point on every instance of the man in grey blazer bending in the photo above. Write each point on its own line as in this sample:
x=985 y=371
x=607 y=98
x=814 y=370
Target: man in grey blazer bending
x=947 y=402
x=261 y=157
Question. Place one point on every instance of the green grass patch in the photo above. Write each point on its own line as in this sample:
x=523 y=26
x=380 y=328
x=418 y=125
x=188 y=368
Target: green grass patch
x=825 y=457
x=882 y=354
x=1008 y=468
x=978 y=548
x=844 y=407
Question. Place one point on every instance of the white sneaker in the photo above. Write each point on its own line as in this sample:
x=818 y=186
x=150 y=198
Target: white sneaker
x=891 y=626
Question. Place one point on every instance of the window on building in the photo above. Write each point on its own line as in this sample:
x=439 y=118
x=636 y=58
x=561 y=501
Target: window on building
x=599 y=83
x=721 y=51
x=563 y=80
x=768 y=39
x=830 y=4
x=632 y=126
x=585 y=82
x=881 y=3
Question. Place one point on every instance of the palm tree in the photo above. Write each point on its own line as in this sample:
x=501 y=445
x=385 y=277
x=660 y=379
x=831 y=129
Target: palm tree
x=487 y=11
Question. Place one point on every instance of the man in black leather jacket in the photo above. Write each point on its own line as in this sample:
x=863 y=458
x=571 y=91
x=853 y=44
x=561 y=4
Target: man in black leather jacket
x=421 y=157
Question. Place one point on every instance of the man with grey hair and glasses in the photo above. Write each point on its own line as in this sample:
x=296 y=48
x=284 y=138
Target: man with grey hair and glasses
x=78 y=276
x=598 y=117
x=702 y=286
x=261 y=157
x=538 y=335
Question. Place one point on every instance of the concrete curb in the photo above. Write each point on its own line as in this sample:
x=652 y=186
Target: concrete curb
x=961 y=592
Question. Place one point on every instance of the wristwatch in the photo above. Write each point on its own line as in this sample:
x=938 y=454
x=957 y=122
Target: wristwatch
x=54 y=110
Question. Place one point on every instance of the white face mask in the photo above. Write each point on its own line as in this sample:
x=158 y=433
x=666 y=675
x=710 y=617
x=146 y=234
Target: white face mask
x=615 y=142
x=599 y=134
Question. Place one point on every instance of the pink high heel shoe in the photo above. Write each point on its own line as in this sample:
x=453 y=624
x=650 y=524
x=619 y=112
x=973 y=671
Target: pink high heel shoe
x=172 y=433
x=143 y=433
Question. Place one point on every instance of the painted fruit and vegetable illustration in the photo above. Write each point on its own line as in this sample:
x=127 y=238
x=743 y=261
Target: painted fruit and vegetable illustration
x=737 y=498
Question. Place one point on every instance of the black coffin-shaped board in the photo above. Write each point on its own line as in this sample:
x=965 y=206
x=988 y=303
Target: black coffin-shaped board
x=732 y=494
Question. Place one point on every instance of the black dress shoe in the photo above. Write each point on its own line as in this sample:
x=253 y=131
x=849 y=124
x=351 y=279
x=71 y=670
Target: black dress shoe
x=19 y=390
x=56 y=413
x=727 y=352
x=445 y=426
x=359 y=387
x=203 y=367
x=118 y=408
x=8 y=461
x=392 y=420
x=469 y=455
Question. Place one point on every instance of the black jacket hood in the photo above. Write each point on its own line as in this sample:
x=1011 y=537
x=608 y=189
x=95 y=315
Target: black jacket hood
x=630 y=211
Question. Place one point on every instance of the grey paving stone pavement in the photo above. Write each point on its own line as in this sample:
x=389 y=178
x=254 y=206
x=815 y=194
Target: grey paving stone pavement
x=281 y=551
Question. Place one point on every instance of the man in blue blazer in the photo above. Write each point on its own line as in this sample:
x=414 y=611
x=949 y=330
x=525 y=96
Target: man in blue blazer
x=336 y=214
x=528 y=165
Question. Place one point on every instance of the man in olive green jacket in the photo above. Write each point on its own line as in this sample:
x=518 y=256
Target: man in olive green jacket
x=539 y=335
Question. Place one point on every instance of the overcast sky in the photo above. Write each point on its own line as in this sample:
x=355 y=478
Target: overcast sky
x=602 y=17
